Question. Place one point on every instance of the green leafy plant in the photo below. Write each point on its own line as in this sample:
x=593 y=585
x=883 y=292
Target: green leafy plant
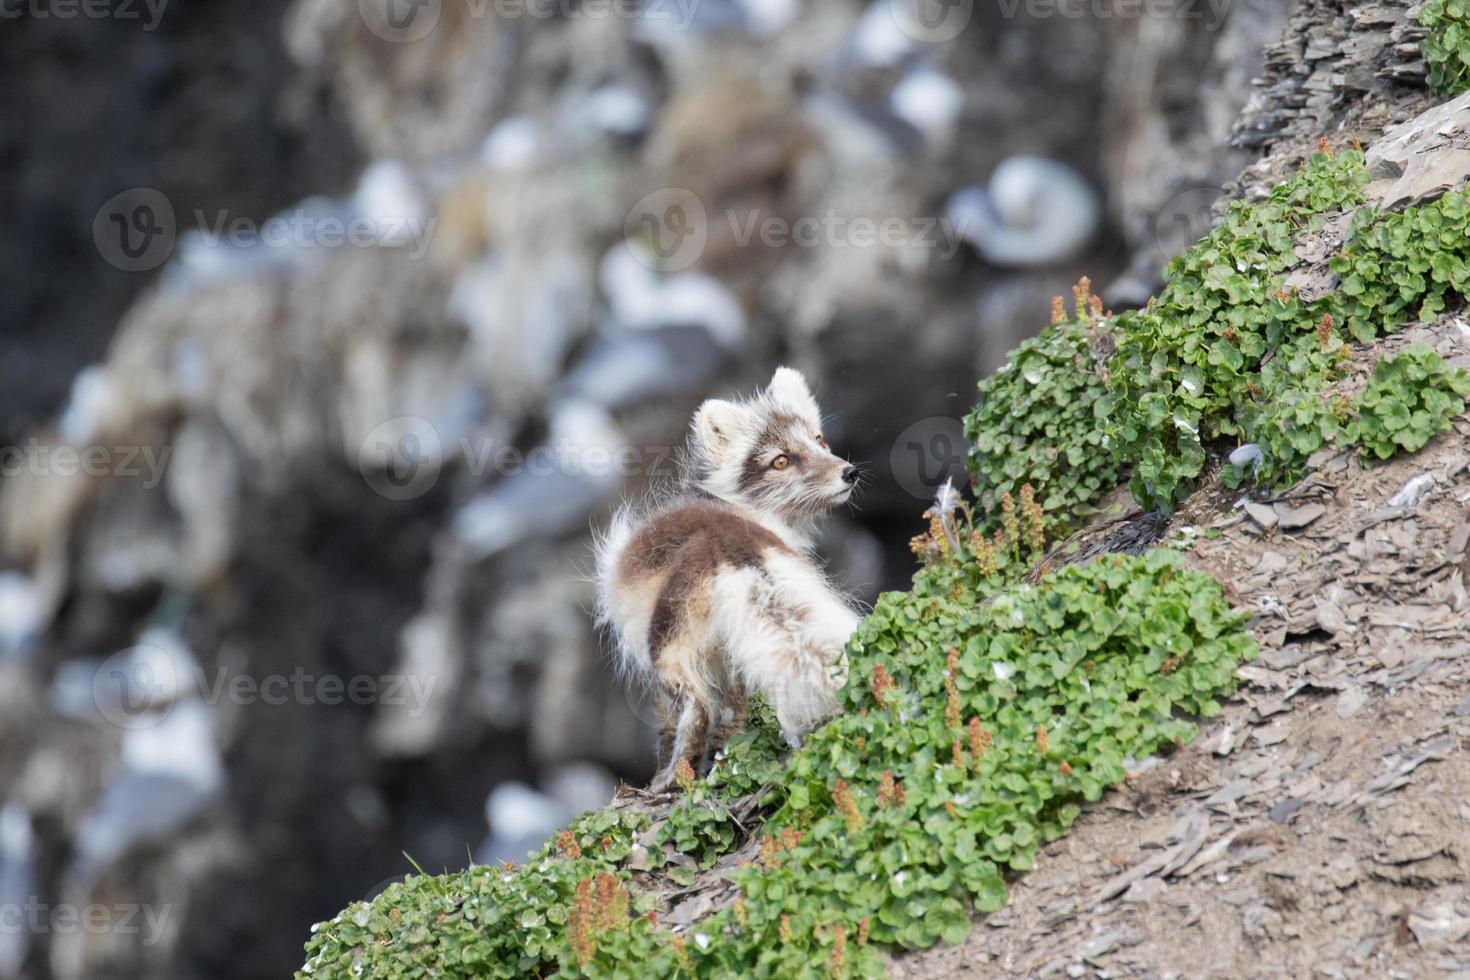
x=1197 y=363
x=1412 y=396
x=1300 y=415
x=978 y=716
x=1403 y=264
x=701 y=824
x=1041 y=419
x=956 y=545
x=1447 y=48
x=984 y=725
x=570 y=904
x=1225 y=357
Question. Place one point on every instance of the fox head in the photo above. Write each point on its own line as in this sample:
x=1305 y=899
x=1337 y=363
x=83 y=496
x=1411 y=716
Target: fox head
x=769 y=453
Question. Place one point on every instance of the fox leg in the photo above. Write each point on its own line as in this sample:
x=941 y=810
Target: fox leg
x=775 y=648
x=794 y=677
x=665 y=711
x=818 y=626
x=801 y=706
x=829 y=626
x=690 y=736
x=729 y=721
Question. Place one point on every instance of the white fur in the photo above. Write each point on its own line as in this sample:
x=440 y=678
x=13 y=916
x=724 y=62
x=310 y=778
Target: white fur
x=797 y=664
x=620 y=611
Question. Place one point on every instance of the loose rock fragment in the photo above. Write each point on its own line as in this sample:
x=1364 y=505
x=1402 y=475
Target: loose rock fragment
x=1438 y=926
x=1262 y=514
x=1413 y=491
x=1289 y=517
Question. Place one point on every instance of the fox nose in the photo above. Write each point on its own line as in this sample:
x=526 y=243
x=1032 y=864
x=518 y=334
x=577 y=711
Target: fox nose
x=850 y=475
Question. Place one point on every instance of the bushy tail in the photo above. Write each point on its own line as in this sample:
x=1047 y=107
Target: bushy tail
x=632 y=658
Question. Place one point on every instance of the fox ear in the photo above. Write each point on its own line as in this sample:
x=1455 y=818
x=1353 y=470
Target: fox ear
x=788 y=388
x=715 y=425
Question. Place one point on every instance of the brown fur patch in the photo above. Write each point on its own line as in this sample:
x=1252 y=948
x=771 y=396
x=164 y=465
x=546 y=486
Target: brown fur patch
x=687 y=544
x=674 y=606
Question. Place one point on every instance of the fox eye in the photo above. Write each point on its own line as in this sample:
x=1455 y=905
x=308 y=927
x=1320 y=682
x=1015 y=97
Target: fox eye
x=780 y=462
x=821 y=440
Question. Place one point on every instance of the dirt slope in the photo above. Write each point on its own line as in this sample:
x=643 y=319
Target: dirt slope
x=1320 y=826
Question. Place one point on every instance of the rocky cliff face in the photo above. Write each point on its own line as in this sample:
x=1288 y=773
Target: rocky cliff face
x=297 y=570
x=198 y=101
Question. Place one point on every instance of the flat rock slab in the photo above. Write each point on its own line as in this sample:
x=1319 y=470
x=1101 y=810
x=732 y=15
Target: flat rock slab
x=1422 y=158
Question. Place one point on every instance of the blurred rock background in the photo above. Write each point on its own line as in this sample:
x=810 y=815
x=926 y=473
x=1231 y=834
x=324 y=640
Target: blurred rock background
x=333 y=330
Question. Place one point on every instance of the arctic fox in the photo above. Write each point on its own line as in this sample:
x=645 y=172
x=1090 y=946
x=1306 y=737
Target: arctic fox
x=714 y=595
